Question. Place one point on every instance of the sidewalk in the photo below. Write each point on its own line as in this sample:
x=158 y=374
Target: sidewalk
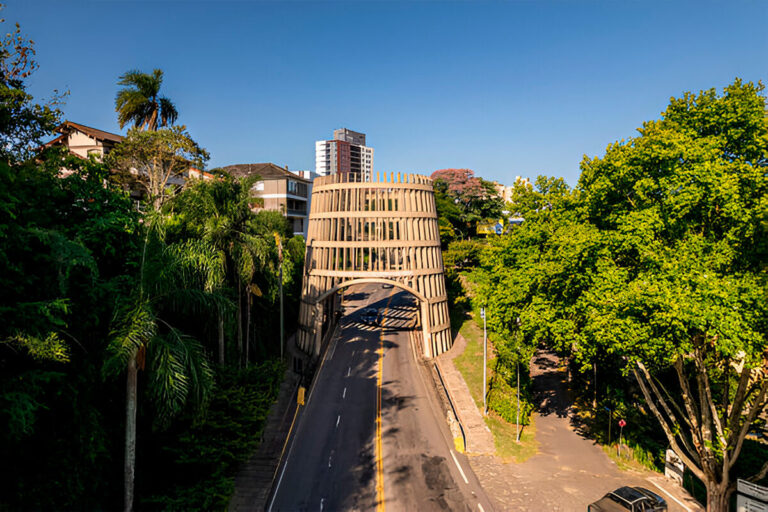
x=254 y=481
x=479 y=437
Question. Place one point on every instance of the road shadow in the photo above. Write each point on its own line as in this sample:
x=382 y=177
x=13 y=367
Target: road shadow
x=550 y=389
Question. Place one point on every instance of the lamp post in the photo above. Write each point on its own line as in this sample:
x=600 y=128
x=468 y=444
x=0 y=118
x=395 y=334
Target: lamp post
x=517 y=419
x=485 y=359
x=279 y=244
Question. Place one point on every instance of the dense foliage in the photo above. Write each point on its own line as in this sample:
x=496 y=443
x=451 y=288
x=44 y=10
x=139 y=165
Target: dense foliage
x=654 y=267
x=462 y=200
x=97 y=299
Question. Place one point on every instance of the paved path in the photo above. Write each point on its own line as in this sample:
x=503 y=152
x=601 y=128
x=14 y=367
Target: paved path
x=479 y=438
x=570 y=471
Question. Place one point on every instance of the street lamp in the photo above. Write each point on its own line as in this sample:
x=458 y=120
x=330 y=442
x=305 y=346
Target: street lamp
x=485 y=359
x=279 y=244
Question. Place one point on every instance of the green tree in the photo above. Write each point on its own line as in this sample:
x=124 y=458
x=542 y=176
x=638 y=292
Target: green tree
x=169 y=282
x=159 y=158
x=462 y=200
x=139 y=101
x=682 y=211
x=218 y=213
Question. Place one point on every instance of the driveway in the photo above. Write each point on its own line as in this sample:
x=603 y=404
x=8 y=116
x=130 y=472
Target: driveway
x=570 y=471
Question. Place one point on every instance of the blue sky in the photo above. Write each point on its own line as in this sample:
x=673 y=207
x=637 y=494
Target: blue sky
x=503 y=88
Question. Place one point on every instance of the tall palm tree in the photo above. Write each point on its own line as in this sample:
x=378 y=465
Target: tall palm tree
x=138 y=102
x=171 y=280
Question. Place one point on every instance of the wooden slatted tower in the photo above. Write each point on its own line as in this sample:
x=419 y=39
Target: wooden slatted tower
x=383 y=230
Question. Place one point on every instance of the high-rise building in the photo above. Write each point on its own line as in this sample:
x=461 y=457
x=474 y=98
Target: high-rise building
x=346 y=153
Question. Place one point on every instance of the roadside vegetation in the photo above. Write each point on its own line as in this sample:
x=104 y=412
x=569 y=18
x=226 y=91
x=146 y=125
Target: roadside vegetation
x=649 y=277
x=138 y=351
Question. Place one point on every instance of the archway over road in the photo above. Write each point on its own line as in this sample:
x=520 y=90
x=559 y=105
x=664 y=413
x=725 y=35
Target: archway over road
x=382 y=231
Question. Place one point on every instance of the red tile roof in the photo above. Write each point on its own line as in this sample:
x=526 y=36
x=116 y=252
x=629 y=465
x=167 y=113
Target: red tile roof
x=66 y=126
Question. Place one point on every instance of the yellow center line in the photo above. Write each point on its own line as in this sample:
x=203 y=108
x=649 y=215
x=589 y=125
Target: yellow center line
x=379 y=451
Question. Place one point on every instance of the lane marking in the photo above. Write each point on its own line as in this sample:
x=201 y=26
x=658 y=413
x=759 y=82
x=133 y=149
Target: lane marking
x=337 y=420
x=480 y=507
x=329 y=460
x=459 y=466
x=668 y=494
x=285 y=464
x=380 y=507
x=349 y=370
x=321 y=504
x=344 y=394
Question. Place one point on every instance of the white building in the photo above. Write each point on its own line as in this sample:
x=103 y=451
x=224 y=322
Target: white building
x=346 y=153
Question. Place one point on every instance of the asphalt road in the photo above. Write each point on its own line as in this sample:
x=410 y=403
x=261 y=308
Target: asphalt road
x=331 y=460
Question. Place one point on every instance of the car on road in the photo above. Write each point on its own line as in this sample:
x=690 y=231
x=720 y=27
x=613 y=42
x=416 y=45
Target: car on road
x=634 y=499
x=370 y=316
x=387 y=286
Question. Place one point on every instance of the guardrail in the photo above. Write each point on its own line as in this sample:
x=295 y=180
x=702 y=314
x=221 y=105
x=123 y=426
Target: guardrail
x=453 y=408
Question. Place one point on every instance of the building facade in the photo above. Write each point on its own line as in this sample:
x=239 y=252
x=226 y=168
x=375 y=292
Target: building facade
x=280 y=190
x=346 y=153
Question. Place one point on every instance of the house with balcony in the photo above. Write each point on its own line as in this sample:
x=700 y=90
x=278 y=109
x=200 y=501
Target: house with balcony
x=280 y=189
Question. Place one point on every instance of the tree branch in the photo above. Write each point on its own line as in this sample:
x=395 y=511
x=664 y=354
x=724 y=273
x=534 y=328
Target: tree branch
x=692 y=466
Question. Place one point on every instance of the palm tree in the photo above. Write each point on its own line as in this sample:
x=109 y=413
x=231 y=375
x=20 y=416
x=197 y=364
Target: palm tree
x=171 y=279
x=217 y=213
x=138 y=101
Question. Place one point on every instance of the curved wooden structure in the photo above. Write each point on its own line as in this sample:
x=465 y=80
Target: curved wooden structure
x=374 y=231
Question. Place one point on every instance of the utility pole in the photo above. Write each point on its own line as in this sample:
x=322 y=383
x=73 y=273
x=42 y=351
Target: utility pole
x=517 y=420
x=280 y=261
x=485 y=359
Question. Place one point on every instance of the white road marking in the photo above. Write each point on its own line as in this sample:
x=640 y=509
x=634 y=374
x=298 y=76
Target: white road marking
x=337 y=420
x=349 y=370
x=321 y=503
x=668 y=494
x=459 y=466
x=344 y=394
x=480 y=507
x=329 y=460
x=353 y=353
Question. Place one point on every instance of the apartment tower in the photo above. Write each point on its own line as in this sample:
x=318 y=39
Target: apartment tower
x=346 y=153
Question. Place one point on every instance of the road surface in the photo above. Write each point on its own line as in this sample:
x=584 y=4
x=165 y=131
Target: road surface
x=332 y=461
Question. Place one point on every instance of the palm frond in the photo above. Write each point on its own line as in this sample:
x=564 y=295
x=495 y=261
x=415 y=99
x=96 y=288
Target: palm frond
x=168 y=112
x=180 y=373
x=134 y=327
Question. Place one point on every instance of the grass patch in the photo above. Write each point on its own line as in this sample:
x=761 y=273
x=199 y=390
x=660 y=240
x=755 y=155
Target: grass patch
x=504 y=435
x=470 y=364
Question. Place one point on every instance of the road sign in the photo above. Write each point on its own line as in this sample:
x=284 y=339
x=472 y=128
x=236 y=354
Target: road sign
x=482 y=313
x=498 y=228
x=622 y=423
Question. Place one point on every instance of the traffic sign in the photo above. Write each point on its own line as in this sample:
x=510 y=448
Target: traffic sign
x=622 y=423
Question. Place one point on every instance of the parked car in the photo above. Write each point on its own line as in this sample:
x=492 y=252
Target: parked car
x=370 y=316
x=387 y=286
x=634 y=499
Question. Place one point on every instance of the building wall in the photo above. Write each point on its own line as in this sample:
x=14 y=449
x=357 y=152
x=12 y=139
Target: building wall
x=81 y=144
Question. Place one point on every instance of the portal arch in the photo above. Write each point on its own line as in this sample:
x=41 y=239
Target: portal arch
x=382 y=231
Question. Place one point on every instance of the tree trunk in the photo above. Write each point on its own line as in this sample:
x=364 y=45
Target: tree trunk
x=221 y=339
x=130 y=432
x=717 y=498
x=247 y=326
x=239 y=323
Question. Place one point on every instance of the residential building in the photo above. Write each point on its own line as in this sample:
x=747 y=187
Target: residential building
x=346 y=153
x=84 y=141
x=280 y=189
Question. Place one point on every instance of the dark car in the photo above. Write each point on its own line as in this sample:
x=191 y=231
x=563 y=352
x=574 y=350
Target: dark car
x=370 y=316
x=634 y=499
